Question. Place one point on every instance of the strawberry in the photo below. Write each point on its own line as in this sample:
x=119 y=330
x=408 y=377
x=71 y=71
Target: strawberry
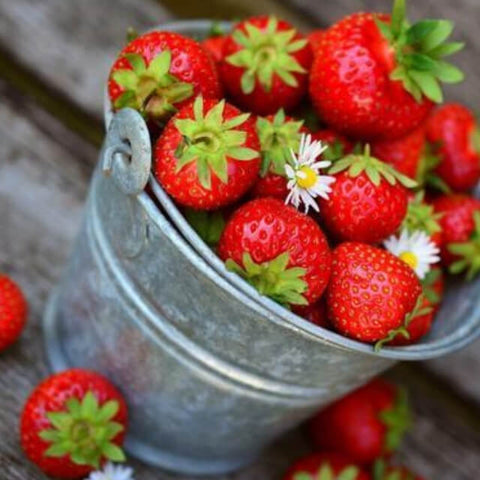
x=420 y=325
x=368 y=201
x=315 y=313
x=452 y=129
x=208 y=155
x=366 y=424
x=377 y=76
x=325 y=466
x=421 y=216
x=338 y=145
x=460 y=224
x=213 y=44
x=383 y=471
x=279 y=250
x=159 y=73
x=13 y=311
x=265 y=65
x=279 y=135
x=314 y=39
x=371 y=293
x=72 y=422
x=405 y=154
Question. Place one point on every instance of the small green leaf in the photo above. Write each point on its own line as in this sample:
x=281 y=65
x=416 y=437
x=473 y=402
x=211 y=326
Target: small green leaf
x=108 y=410
x=419 y=31
x=448 y=73
x=113 y=453
x=126 y=79
x=242 y=153
x=398 y=17
x=56 y=451
x=446 y=49
x=443 y=29
x=384 y=29
x=302 y=476
x=247 y=83
x=428 y=84
x=137 y=62
x=203 y=172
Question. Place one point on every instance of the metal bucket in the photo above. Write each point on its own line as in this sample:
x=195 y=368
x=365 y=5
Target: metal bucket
x=211 y=370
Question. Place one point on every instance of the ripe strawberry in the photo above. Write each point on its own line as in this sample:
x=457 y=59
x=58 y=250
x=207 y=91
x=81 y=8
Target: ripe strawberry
x=279 y=250
x=405 y=154
x=13 y=312
x=315 y=313
x=420 y=325
x=366 y=424
x=371 y=292
x=208 y=155
x=338 y=145
x=382 y=471
x=460 y=224
x=278 y=135
x=375 y=76
x=265 y=65
x=421 y=216
x=368 y=201
x=160 y=72
x=72 y=422
x=453 y=130
x=214 y=47
x=314 y=39
x=325 y=466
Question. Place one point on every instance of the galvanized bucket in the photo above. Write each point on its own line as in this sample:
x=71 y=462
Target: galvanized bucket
x=211 y=370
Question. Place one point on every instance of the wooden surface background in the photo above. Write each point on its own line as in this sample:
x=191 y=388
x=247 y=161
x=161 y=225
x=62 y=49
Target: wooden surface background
x=54 y=58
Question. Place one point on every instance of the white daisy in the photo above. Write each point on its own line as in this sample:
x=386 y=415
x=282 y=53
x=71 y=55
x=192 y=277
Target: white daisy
x=112 y=472
x=304 y=180
x=416 y=249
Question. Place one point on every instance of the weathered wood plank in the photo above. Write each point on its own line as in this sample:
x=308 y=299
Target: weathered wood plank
x=71 y=44
x=43 y=176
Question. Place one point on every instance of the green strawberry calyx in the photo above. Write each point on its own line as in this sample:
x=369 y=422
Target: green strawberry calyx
x=381 y=471
x=375 y=169
x=84 y=432
x=469 y=252
x=428 y=283
x=421 y=216
x=278 y=138
x=209 y=141
x=397 y=420
x=266 y=52
x=335 y=151
x=208 y=225
x=420 y=50
x=418 y=311
x=152 y=89
x=326 y=472
x=429 y=161
x=273 y=278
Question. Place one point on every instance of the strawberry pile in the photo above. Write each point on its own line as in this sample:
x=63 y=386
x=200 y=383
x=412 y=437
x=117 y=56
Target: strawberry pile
x=322 y=169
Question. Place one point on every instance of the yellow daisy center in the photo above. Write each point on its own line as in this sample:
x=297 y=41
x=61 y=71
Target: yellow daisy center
x=306 y=177
x=410 y=259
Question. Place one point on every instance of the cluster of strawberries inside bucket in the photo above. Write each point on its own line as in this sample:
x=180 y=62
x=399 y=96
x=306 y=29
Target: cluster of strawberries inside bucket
x=323 y=169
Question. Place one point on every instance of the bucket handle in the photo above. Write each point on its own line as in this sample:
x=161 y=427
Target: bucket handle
x=128 y=153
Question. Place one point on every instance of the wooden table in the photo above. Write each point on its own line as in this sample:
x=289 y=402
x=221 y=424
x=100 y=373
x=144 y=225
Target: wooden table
x=54 y=57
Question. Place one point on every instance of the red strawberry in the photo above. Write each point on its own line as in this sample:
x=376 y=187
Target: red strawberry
x=368 y=201
x=371 y=293
x=281 y=251
x=420 y=325
x=366 y=424
x=325 y=466
x=314 y=39
x=382 y=471
x=160 y=72
x=13 y=312
x=73 y=422
x=460 y=224
x=278 y=135
x=265 y=65
x=404 y=154
x=374 y=76
x=315 y=313
x=208 y=155
x=421 y=216
x=214 y=46
x=453 y=130
x=338 y=145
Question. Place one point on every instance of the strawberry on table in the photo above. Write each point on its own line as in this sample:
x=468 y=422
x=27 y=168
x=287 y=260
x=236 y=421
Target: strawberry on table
x=279 y=135
x=454 y=134
x=160 y=72
x=265 y=65
x=377 y=76
x=371 y=293
x=326 y=466
x=368 y=201
x=280 y=251
x=13 y=311
x=208 y=155
x=460 y=224
x=364 y=425
x=73 y=422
